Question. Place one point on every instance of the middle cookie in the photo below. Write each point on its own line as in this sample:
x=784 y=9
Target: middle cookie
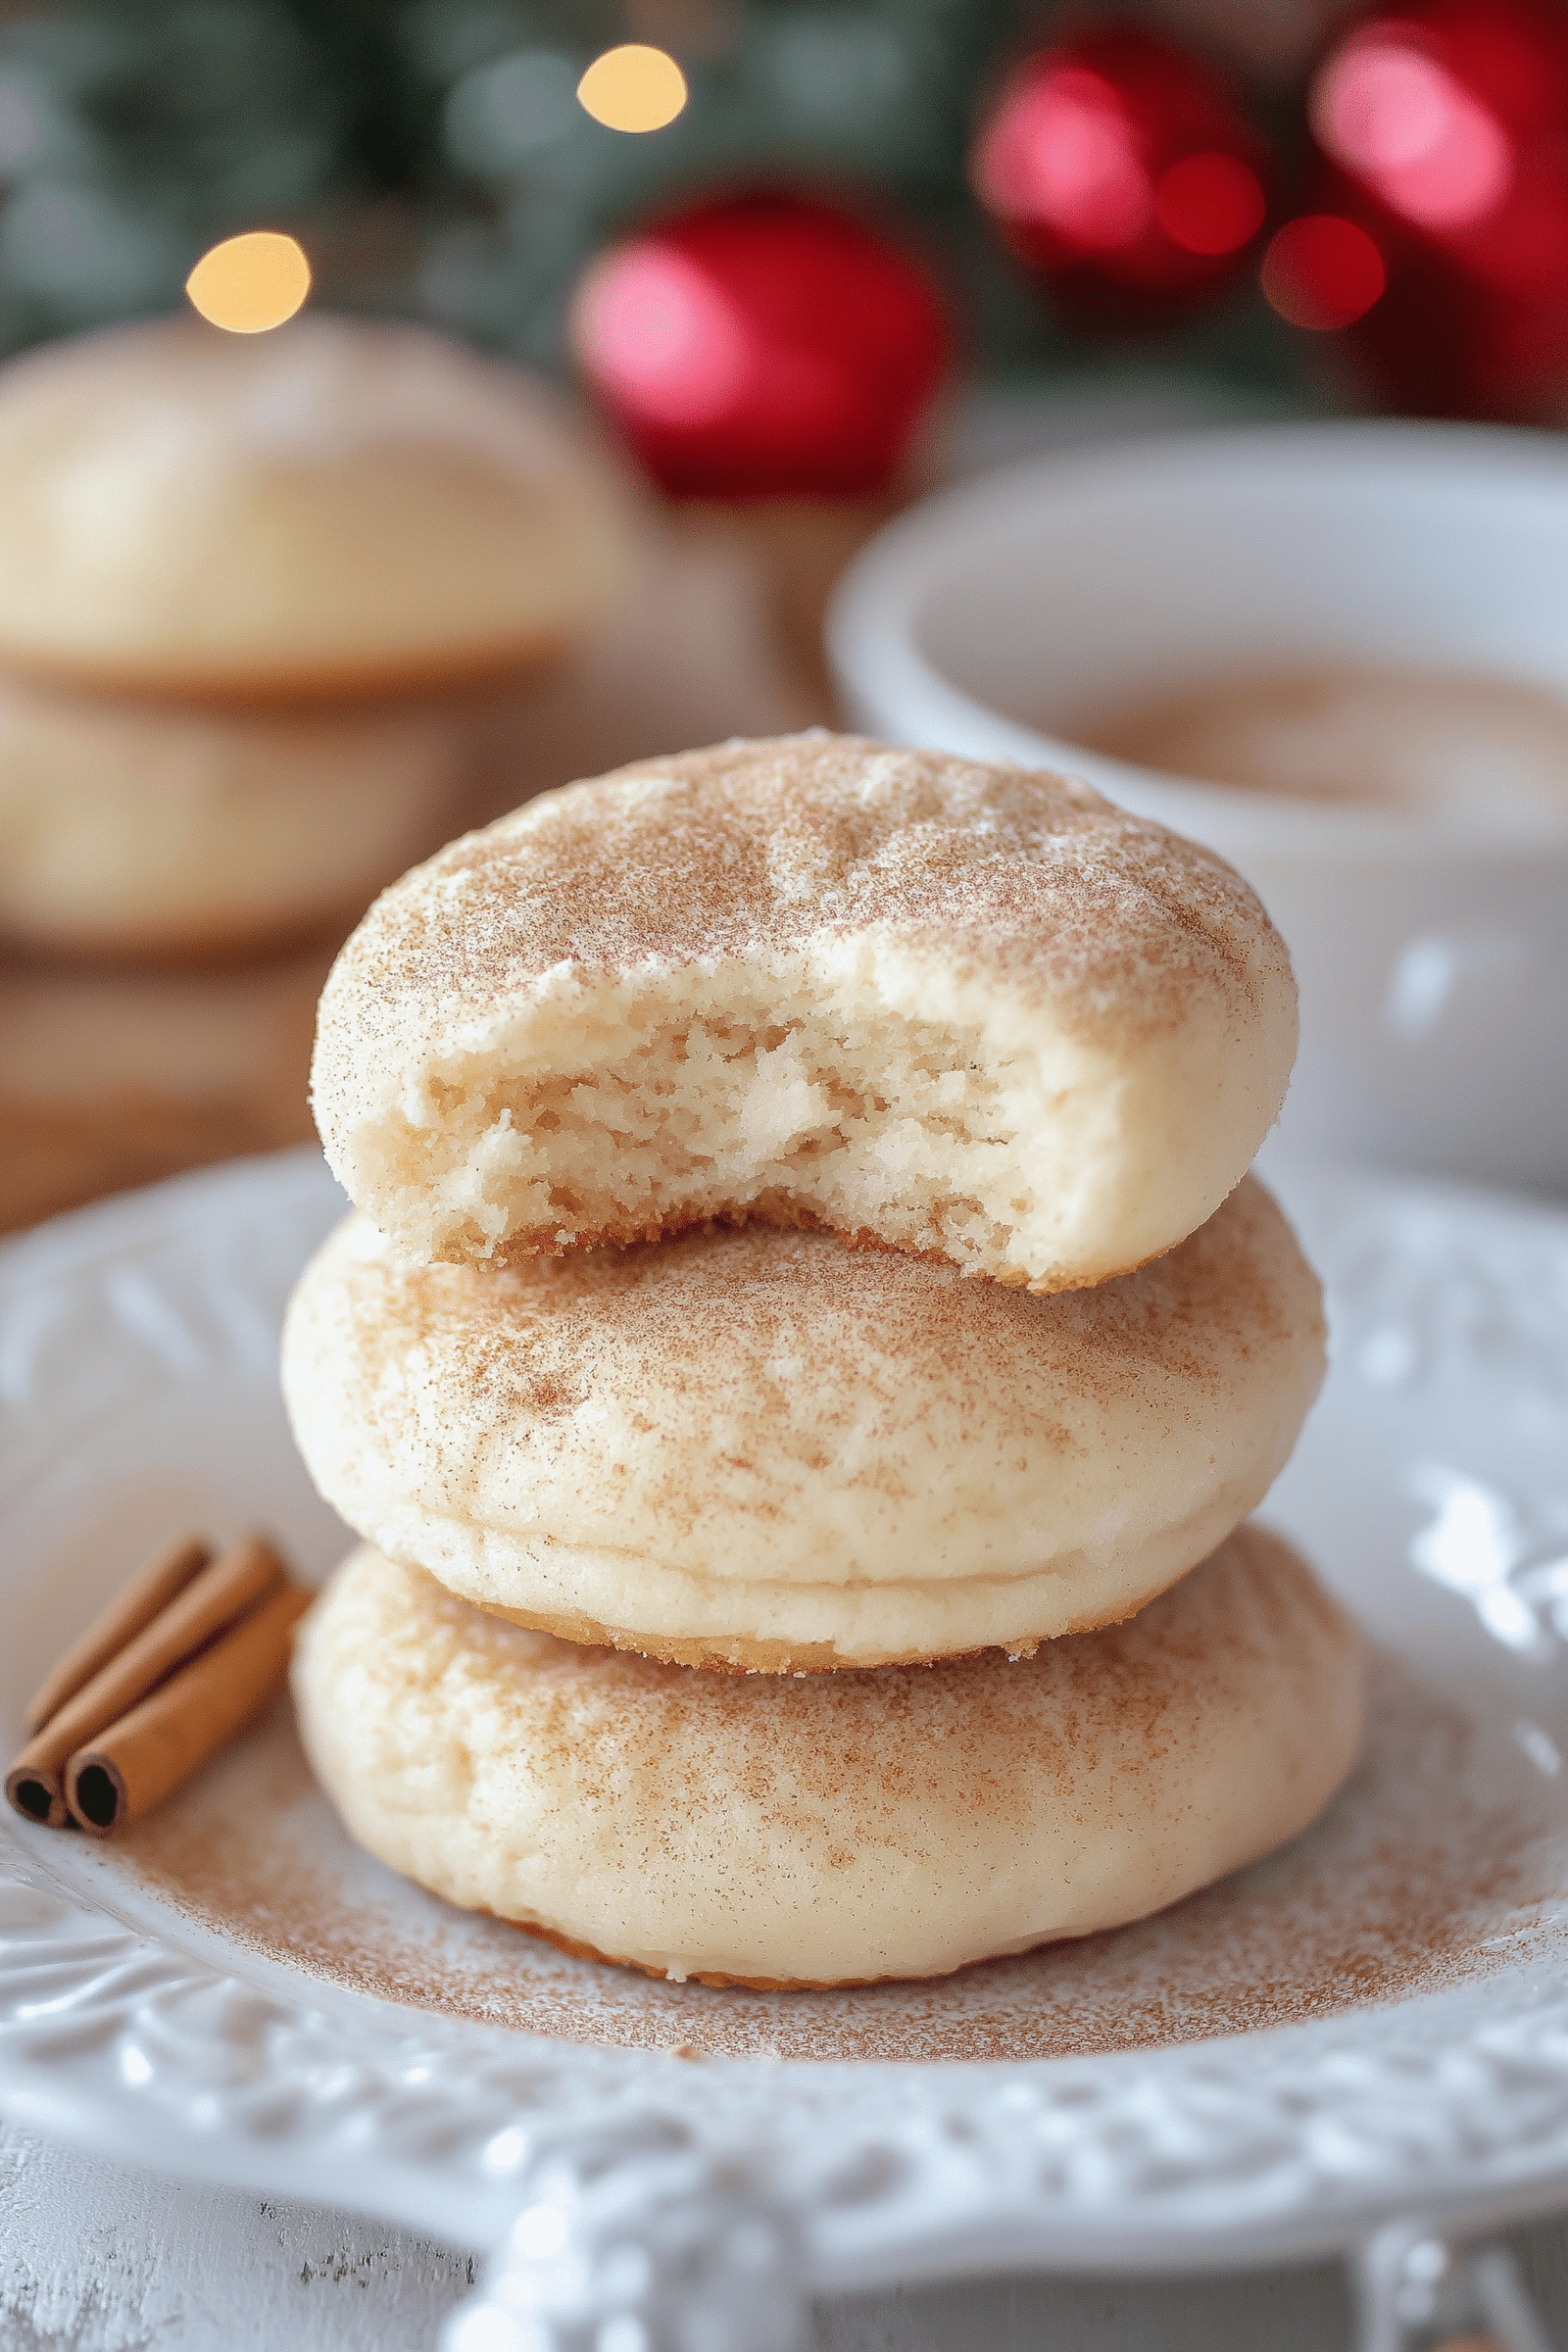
x=762 y=1449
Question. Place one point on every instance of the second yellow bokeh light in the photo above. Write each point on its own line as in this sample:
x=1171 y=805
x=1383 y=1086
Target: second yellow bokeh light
x=633 y=89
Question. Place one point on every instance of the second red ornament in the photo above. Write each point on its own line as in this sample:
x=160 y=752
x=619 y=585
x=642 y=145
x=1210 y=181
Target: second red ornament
x=1119 y=169
x=1444 y=133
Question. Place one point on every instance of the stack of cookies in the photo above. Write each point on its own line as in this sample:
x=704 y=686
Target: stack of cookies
x=259 y=596
x=804 y=1352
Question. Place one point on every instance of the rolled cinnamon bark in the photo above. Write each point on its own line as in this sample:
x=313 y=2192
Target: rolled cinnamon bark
x=137 y=1761
x=124 y=1619
x=227 y=1589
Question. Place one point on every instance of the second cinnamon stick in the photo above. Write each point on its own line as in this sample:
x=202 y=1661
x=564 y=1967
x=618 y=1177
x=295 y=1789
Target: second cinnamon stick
x=129 y=1613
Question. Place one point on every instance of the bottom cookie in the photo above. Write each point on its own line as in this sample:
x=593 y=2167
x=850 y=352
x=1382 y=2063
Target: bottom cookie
x=837 y=1828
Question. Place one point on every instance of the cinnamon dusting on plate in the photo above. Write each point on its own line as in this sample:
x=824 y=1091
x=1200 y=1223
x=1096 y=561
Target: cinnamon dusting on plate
x=1411 y=1881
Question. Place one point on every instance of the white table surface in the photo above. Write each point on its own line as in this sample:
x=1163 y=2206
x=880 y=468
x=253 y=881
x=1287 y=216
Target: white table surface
x=102 y=2257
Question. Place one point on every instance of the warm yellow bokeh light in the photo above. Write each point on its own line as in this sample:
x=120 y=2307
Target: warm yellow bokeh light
x=633 y=89
x=250 y=283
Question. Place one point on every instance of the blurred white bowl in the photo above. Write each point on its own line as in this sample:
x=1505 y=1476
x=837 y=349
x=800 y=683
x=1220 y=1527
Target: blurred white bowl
x=1432 y=951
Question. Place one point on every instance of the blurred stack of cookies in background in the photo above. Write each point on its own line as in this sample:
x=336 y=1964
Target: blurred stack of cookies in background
x=265 y=601
x=279 y=613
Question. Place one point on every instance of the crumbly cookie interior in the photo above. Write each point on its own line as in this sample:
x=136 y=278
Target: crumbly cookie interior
x=957 y=1009
x=664 y=1110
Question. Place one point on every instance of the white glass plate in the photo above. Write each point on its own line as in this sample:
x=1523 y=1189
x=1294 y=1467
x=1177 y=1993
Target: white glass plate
x=1371 y=2025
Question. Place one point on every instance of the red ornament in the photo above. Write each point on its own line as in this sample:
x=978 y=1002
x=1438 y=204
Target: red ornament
x=1118 y=168
x=1442 y=131
x=762 y=346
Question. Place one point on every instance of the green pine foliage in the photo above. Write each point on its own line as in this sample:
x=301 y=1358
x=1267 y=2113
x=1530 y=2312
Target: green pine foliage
x=431 y=155
x=433 y=160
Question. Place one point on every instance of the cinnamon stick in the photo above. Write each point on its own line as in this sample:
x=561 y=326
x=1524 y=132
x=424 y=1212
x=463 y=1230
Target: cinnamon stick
x=124 y=1619
x=135 y=1762
x=227 y=1589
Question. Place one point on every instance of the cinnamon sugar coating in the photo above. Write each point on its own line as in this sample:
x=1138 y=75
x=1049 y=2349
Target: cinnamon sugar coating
x=837 y=1828
x=955 y=1008
x=755 y=1448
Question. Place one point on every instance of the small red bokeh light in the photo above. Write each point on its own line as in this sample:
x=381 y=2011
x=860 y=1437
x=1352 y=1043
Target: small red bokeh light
x=1118 y=168
x=1211 y=204
x=1321 y=272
